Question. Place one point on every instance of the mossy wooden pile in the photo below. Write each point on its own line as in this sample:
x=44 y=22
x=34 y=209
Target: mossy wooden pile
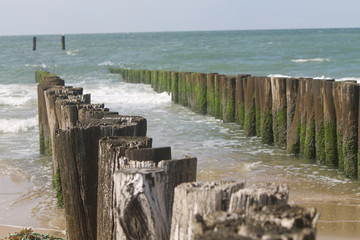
x=317 y=119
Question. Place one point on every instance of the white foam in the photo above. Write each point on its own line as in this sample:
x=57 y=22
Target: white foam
x=129 y=94
x=107 y=63
x=17 y=94
x=72 y=52
x=17 y=125
x=349 y=79
x=311 y=60
x=42 y=65
x=278 y=76
x=323 y=78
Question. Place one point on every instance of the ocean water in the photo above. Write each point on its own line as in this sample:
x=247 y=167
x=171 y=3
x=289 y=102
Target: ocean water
x=26 y=195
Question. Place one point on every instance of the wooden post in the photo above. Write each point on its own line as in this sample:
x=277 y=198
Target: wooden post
x=268 y=222
x=111 y=152
x=34 y=43
x=250 y=108
x=63 y=42
x=240 y=100
x=257 y=196
x=264 y=110
x=228 y=97
x=293 y=102
x=194 y=198
x=330 y=124
x=279 y=110
x=140 y=210
x=350 y=109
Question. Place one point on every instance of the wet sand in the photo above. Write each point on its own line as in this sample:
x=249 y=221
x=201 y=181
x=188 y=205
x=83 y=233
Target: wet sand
x=24 y=205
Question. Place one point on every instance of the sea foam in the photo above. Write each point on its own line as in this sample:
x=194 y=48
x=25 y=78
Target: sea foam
x=129 y=94
x=311 y=60
x=17 y=94
x=17 y=125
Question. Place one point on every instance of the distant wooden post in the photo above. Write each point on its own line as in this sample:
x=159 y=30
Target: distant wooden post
x=63 y=42
x=34 y=43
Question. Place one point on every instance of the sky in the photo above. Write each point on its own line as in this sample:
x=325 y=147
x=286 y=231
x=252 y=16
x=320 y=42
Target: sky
x=32 y=17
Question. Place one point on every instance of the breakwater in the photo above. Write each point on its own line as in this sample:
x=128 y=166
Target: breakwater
x=114 y=185
x=311 y=117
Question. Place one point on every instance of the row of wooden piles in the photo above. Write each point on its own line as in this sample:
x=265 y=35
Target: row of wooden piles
x=114 y=185
x=315 y=118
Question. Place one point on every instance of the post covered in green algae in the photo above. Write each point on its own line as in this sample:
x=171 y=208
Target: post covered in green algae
x=228 y=96
x=330 y=124
x=264 y=95
x=293 y=115
x=250 y=108
x=175 y=87
x=279 y=110
x=218 y=107
x=241 y=80
x=197 y=98
x=45 y=81
x=210 y=93
x=318 y=96
x=307 y=146
x=350 y=117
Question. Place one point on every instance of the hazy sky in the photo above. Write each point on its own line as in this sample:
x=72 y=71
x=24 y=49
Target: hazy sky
x=18 y=17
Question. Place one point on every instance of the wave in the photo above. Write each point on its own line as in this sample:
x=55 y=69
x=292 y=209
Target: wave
x=72 y=52
x=18 y=125
x=42 y=65
x=107 y=63
x=129 y=94
x=17 y=94
x=311 y=60
x=349 y=79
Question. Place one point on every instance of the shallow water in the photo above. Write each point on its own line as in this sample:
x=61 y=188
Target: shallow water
x=27 y=198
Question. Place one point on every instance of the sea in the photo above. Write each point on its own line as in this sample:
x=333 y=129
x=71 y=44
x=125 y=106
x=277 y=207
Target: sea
x=223 y=151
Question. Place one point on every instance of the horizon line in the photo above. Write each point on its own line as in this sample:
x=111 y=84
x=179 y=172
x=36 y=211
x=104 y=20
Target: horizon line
x=174 y=31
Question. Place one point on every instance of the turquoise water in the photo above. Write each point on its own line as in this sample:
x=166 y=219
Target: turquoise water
x=223 y=151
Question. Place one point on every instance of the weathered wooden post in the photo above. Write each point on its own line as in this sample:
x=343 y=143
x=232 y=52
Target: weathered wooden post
x=258 y=195
x=34 y=43
x=174 y=87
x=279 y=110
x=240 y=99
x=228 y=99
x=293 y=103
x=46 y=81
x=63 y=42
x=268 y=222
x=111 y=153
x=194 y=198
x=250 y=108
x=307 y=133
x=140 y=207
x=199 y=94
x=350 y=118
x=330 y=124
x=264 y=110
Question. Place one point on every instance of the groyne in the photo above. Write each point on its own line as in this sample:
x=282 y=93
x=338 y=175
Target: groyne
x=114 y=185
x=315 y=118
